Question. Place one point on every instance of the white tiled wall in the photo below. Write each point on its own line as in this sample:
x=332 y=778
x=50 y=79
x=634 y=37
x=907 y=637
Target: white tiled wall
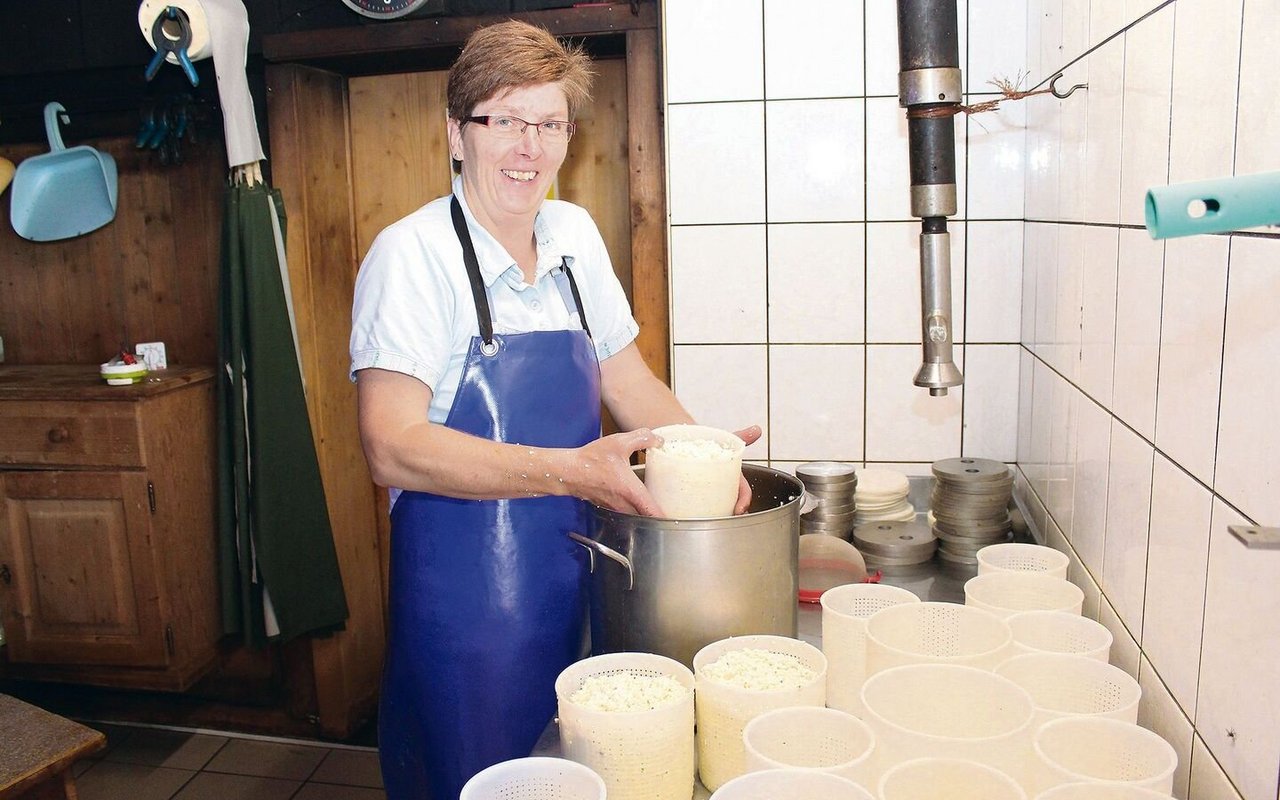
x=792 y=244
x=1133 y=381
x=1149 y=402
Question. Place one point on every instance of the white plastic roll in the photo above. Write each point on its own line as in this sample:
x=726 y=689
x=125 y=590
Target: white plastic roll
x=200 y=47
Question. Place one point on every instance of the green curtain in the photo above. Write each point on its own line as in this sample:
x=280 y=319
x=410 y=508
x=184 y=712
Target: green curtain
x=275 y=540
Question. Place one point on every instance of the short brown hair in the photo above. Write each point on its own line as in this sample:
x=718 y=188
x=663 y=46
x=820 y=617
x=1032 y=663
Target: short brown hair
x=511 y=54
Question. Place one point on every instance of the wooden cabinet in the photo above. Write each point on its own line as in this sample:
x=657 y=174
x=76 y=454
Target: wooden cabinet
x=108 y=571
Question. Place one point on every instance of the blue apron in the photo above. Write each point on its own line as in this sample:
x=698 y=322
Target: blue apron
x=488 y=597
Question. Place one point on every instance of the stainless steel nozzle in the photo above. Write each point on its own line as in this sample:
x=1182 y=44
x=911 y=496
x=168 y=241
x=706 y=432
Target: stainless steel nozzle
x=938 y=370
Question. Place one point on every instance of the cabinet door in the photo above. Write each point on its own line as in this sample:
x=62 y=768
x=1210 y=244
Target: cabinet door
x=80 y=585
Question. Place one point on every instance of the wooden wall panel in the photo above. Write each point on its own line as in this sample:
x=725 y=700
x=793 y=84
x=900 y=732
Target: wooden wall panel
x=594 y=174
x=400 y=155
x=149 y=275
x=650 y=291
x=311 y=154
x=399 y=148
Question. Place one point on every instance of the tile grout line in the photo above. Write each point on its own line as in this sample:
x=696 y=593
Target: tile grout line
x=1155 y=449
x=768 y=334
x=258 y=737
x=1222 y=360
x=1164 y=274
x=866 y=236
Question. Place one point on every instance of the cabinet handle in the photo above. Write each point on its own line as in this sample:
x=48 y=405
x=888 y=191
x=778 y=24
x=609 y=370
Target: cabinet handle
x=5 y=575
x=59 y=434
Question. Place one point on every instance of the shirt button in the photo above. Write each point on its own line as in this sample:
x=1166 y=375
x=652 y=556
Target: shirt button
x=535 y=305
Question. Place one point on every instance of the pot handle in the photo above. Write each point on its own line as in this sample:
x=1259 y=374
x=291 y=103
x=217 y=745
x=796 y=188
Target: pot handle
x=608 y=552
x=808 y=502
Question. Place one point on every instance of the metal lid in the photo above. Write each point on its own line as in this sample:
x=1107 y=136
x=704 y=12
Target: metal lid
x=969 y=470
x=894 y=539
x=827 y=472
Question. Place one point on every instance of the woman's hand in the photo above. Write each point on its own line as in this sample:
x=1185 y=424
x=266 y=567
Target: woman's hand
x=602 y=474
x=748 y=435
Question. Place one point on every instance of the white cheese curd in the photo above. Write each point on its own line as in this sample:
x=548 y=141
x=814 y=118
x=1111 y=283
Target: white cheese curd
x=699 y=449
x=759 y=670
x=696 y=472
x=627 y=691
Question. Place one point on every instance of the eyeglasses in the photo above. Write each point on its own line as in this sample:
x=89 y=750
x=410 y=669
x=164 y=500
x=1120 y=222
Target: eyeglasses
x=506 y=127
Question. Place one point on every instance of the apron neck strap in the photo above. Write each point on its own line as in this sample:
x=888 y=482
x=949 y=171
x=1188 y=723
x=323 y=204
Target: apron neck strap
x=577 y=298
x=478 y=293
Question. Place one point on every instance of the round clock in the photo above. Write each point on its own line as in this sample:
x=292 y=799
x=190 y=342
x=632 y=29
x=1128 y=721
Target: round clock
x=385 y=9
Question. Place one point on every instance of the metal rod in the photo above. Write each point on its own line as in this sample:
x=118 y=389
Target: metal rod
x=929 y=79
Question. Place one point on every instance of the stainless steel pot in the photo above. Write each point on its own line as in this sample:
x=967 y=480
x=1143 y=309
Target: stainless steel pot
x=671 y=586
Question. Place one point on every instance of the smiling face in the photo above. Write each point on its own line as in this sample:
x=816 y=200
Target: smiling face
x=506 y=180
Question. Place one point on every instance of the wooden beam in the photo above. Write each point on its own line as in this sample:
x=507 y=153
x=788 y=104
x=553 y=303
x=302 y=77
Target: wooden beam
x=649 y=297
x=311 y=153
x=421 y=35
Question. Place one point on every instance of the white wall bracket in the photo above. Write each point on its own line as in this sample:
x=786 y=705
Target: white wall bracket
x=1257 y=537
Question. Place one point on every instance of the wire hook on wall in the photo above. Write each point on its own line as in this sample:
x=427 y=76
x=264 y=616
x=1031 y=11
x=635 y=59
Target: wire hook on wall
x=1061 y=95
x=1056 y=75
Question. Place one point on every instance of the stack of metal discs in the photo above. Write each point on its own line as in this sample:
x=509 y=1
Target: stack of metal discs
x=970 y=507
x=890 y=544
x=882 y=495
x=832 y=485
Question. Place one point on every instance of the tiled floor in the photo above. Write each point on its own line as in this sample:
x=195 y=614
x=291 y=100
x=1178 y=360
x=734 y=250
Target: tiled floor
x=142 y=763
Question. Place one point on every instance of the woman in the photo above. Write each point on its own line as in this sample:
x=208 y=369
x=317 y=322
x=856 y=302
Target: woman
x=498 y=313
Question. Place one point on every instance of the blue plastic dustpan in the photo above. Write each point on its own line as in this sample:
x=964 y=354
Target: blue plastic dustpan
x=66 y=192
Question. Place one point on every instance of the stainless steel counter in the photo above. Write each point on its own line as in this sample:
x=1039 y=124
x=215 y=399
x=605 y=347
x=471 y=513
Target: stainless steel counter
x=931 y=582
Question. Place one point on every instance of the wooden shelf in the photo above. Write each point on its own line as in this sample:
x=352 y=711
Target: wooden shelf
x=82 y=382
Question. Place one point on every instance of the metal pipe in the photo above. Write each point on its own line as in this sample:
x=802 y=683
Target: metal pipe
x=929 y=88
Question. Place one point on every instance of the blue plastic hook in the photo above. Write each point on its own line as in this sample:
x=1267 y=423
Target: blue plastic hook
x=166 y=43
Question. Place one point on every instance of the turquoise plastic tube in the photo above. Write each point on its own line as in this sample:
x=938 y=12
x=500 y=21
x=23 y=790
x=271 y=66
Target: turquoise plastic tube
x=1214 y=206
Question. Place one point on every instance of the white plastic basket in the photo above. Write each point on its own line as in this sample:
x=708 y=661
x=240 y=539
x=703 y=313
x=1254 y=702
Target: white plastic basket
x=808 y=737
x=953 y=778
x=845 y=610
x=1084 y=749
x=723 y=711
x=1007 y=593
x=639 y=754
x=1022 y=557
x=936 y=633
x=777 y=784
x=948 y=711
x=535 y=778
x=1101 y=791
x=1062 y=685
x=1060 y=632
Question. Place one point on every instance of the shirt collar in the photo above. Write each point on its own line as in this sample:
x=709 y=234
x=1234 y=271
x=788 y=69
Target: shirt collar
x=495 y=261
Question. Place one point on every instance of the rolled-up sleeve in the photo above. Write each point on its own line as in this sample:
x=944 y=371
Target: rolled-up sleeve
x=402 y=312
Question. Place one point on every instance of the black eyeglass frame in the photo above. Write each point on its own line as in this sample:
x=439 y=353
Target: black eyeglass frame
x=483 y=119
